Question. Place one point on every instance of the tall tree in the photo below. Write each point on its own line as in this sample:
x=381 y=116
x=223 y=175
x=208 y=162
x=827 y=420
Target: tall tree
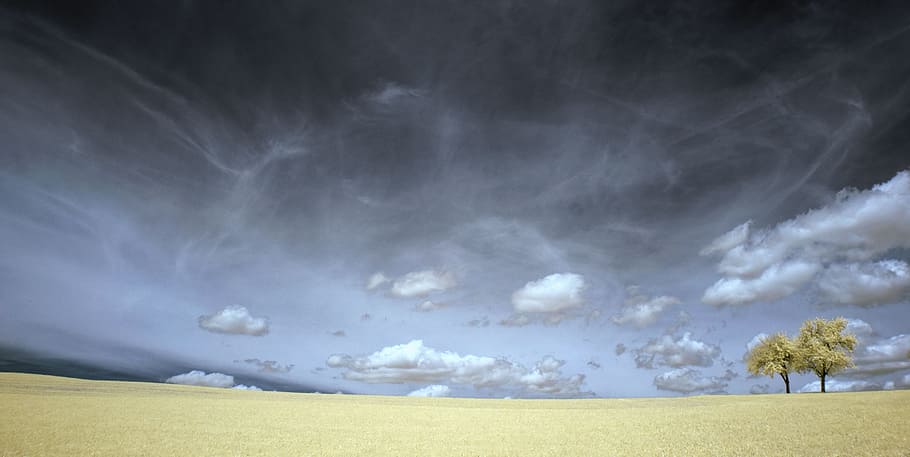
x=824 y=348
x=774 y=355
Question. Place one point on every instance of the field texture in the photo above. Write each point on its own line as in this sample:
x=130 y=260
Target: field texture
x=51 y=416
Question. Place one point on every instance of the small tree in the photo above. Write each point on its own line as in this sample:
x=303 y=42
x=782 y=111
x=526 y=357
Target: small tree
x=824 y=348
x=775 y=354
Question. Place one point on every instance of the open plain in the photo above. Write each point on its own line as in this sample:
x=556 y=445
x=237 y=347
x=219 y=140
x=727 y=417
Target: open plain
x=53 y=416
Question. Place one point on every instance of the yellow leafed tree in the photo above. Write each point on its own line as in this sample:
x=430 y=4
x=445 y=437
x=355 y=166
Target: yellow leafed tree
x=824 y=348
x=774 y=355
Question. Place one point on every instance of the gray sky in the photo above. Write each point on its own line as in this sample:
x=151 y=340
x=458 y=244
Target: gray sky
x=557 y=199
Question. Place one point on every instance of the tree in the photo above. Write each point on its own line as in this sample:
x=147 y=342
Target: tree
x=775 y=354
x=824 y=347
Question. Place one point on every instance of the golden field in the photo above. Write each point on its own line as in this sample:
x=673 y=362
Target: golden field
x=52 y=416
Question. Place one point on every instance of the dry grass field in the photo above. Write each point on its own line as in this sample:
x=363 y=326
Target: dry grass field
x=51 y=416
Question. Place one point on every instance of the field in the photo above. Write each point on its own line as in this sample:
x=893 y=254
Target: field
x=51 y=416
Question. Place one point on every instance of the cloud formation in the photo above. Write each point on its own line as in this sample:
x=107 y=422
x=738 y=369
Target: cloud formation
x=201 y=378
x=834 y=243
x=413 y=362
x=834 y=385
x=428 y=305
x=376 y=280
x=246 y=387
x=884 y=356
x=778 y=281
x=235 y=320
x=866 y=284
x=422 y=283
x=435 y=390
x=553 y=293
x=640 y=311
x=689 y=380
x=676 y=352
x=269 y=366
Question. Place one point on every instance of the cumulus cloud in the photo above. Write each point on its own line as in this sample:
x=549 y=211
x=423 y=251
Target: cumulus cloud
x=246 y=387
x=422 y=283
x=676 y=352
x=778 y=281
x=428 y=305
x=414 y=362
x=641 y=311
x=752 y=343
x=755 y=341
x=884 y=356
x=729 y=240
x=689 y=380
x=860 y=328
x=236 y=320
x=833 y=385
x=857 y=227
x=435 y=390
x=201 y=378
x=376 y=280
x=556 y=292
x=866 y=284
x=269 y=366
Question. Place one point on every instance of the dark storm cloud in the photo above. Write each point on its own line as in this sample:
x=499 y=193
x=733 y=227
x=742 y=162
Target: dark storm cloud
x=163 y=161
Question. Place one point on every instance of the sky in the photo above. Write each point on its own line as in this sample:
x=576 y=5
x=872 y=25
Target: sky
x=452 y=198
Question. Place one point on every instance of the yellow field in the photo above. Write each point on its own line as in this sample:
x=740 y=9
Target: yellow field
x=51 y=416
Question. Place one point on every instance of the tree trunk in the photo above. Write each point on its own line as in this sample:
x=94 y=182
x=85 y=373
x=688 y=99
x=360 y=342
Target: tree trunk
x=786 y=379
x=823 y=383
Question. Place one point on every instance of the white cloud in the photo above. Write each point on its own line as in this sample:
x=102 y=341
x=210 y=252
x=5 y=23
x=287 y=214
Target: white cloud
x=556 y=292
x=201 y=378
x=857 y=227
x=867 y=284
x=422 y=283
x=644 y=313
x=777 y=281
x=428 y=305
x=729 y=240
x=376 y=279
x=833 y=385
x=236 y=320
x=752 y=343
x=679 y=352
x=688 y=380
x=755 y=341
x=246 y=387
x=884 y=356
x=415 y=363
x=435 y=390
x=860 y=328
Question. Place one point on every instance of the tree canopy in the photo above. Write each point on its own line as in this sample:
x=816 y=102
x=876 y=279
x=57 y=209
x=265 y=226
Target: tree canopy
x=774 y=355
x=824 y=348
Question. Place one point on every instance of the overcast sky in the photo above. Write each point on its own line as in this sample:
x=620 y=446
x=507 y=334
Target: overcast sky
x=464 y=198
